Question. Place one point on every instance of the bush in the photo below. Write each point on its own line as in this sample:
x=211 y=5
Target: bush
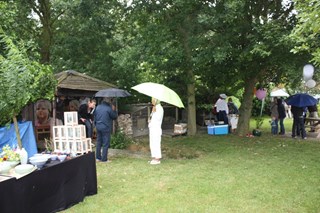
x=119 y=141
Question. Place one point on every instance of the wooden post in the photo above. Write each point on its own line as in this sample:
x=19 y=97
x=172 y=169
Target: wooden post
x=17 y=131
x=177 y=114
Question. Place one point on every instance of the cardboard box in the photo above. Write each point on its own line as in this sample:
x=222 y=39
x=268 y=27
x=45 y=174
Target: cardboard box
x=210 y=130
x=180 y=128
x=221 y=129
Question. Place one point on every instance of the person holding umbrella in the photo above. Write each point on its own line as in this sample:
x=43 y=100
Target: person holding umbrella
x=299 y=103
x=104 y=114
x=158 y=92
x=155 y=131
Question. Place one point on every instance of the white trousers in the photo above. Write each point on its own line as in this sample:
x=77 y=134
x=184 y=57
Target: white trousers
x=233 y=121
x=155 y=142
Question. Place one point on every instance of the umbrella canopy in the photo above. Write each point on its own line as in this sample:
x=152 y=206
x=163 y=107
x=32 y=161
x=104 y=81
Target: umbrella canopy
x=301 y=100
x=160 y=92
x=279 y=93
x=112 y=92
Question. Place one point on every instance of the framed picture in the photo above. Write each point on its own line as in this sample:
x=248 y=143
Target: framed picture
x=71 y=118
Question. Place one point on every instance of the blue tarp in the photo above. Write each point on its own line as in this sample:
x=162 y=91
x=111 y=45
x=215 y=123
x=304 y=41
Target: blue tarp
x=8 y=136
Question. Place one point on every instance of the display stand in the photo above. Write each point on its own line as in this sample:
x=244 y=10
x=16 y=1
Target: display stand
x=71 y=136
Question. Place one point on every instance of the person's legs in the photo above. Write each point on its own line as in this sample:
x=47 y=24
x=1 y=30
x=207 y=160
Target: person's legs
x=88 y=125
x=220 y=116
x=302 y=129
x=274 y=130
x=233 y=122
x=98 y=145
x=151 y=141
x=294 y=127
x=298 y=127
x=282 y=130
x=105 y=145
x=155 y=144
x=277 y=126
x=225 y=118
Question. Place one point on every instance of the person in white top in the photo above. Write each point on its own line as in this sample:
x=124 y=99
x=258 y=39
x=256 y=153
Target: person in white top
x=155 y=131
x=222 y=108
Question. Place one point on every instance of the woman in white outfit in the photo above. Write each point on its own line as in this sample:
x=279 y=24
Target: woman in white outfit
x=155 y=131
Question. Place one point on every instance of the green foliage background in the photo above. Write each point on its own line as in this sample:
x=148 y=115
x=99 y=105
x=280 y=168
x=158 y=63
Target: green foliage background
x=218 y=47
x=21 y=80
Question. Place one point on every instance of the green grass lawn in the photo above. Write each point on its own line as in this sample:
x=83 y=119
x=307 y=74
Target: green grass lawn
x=208 y=173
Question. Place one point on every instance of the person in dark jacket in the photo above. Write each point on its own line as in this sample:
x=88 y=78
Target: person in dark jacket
x=85 y=116
x=104 y=115
x=60 y=108
x=282 y=115
x=298 y=122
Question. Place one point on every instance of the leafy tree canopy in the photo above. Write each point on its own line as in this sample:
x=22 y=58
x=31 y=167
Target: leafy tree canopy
x=21 y=80
x=307 y=30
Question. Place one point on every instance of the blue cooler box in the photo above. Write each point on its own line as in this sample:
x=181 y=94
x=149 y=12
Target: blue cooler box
x=210 y=130
x=221 y=129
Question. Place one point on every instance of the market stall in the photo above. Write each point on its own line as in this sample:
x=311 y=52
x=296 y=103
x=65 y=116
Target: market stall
x=72 y=86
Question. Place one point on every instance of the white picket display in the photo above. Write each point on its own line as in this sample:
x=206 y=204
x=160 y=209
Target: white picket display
x=71 y=137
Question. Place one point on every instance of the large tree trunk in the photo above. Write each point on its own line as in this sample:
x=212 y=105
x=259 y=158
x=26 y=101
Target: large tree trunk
x=46 y=34
x=46 y=38
x=246 y=107
x=192 y=125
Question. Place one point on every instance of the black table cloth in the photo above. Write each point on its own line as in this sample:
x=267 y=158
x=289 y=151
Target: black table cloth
x=52 y=188
x=7 y=194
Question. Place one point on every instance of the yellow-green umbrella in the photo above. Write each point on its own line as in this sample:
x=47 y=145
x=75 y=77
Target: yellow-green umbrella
x=160 y=92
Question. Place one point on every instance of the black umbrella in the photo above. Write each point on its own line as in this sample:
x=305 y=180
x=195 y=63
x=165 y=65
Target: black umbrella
x=112 y=92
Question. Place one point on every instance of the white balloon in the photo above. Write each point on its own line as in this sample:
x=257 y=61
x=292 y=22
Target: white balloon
x=311 y=83
x=307 y=78
x=308 y=71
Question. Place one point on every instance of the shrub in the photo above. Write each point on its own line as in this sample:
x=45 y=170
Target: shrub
x=119 y=140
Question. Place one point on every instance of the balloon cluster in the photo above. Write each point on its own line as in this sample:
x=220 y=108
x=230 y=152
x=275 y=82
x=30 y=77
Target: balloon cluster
x=308 y=71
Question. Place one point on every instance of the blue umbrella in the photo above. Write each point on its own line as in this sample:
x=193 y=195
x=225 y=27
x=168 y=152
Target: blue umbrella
x=301 y=100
